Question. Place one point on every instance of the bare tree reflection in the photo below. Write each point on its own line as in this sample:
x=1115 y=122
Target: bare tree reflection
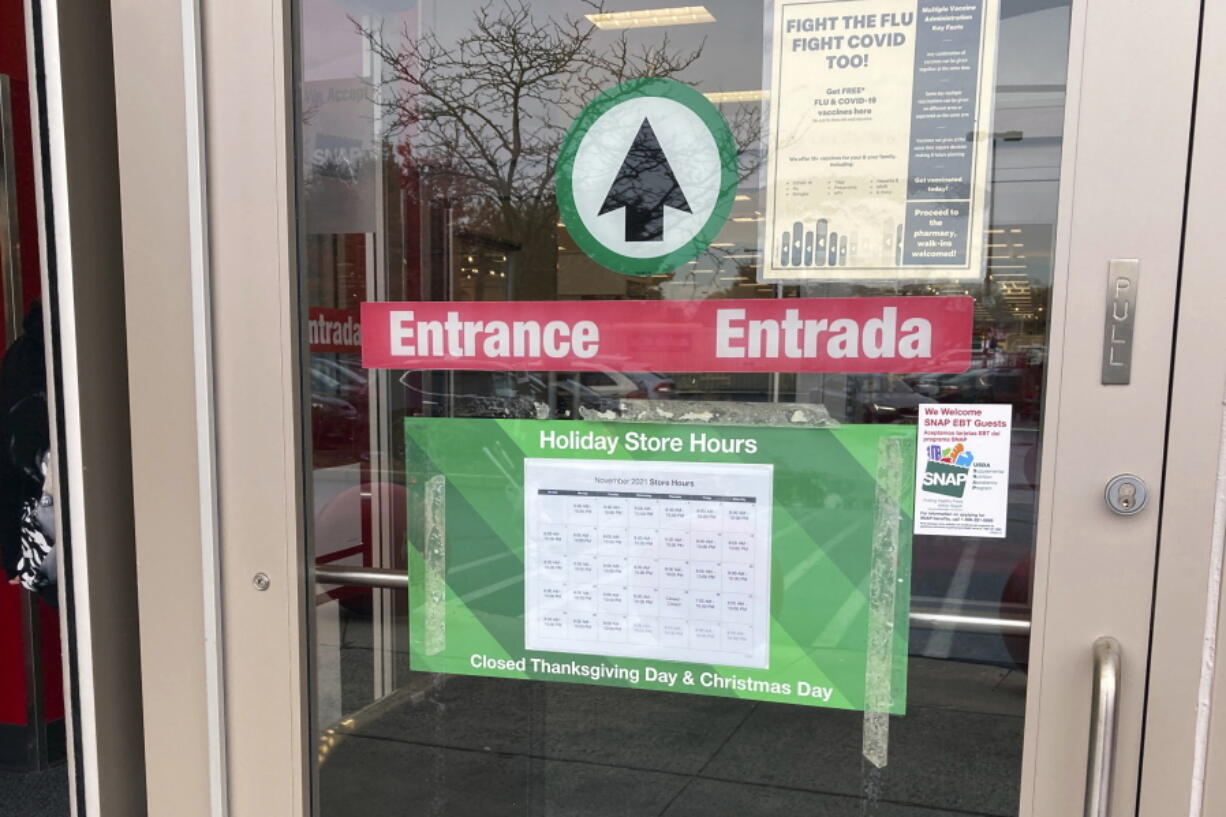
x=480 y=118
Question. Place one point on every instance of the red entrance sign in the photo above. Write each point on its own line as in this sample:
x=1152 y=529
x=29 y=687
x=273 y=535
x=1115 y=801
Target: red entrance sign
x=333 y=330
x=863 y=335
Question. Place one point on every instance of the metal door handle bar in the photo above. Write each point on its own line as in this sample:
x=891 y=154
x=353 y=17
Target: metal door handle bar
x=384 y=579
x=1104 y=710
x=348 y=576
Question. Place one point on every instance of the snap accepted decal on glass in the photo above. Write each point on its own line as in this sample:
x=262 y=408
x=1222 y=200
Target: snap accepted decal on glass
x=880 y=139
x=743 y=562
x=962 y=470
x=647 y=176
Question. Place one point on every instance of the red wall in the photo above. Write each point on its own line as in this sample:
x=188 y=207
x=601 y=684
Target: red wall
x=12 y=667
x=13 y=63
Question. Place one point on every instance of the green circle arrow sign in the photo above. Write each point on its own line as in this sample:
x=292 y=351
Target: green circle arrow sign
x=646 y=176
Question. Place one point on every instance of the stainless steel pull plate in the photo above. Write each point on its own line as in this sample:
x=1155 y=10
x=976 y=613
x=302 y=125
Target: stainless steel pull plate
x=1123 y=279
x=1104 y=712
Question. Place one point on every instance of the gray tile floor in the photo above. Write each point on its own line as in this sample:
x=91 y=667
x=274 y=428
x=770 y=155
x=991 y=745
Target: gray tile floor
x=34 y=794
x=471 y=746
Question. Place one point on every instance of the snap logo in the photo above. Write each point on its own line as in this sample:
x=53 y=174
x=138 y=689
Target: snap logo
x=948 y=470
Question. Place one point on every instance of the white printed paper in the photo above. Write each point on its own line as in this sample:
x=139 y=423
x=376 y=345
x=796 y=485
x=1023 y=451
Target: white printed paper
x=962 y=470
x=653 y=560
x=879 y=139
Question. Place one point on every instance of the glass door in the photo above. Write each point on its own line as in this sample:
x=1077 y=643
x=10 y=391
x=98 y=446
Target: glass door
x=430 y=173
x=706 y=410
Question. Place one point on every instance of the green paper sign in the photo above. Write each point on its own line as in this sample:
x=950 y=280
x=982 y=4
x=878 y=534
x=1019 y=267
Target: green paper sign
x=647 y=175
x=762 y=563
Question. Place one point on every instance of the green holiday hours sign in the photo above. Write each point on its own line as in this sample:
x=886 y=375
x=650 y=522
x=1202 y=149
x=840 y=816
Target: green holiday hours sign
x=761 y=563
x=646 y=176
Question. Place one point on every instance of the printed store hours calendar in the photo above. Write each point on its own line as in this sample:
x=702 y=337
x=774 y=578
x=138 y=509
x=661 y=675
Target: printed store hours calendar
x=753 y=562
x=651 y=560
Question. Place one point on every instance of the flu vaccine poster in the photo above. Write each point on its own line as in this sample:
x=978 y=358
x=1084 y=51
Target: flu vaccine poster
x=879 y=139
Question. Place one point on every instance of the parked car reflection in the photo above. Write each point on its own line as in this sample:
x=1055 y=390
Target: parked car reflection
x=1021 y=385
x=629 y=385
x=339 y=412
x=520 y=395
x=873 y=399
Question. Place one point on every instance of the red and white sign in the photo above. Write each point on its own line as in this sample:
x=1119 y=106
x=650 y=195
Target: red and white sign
x=334 y=331
x=918 y=334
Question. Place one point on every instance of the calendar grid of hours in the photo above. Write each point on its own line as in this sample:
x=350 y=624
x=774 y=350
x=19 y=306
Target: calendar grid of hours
x=654 y=574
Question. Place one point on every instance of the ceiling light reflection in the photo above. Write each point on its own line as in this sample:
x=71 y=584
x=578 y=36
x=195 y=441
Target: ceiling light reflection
x=650 y=18
x=733 y=97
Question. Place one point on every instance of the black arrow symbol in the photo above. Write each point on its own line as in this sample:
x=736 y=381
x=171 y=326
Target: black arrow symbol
x=644 y=186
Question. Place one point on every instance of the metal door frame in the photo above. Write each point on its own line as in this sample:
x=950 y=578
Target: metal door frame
x=77 y=189
x=1183 y=741
x=228 y=333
